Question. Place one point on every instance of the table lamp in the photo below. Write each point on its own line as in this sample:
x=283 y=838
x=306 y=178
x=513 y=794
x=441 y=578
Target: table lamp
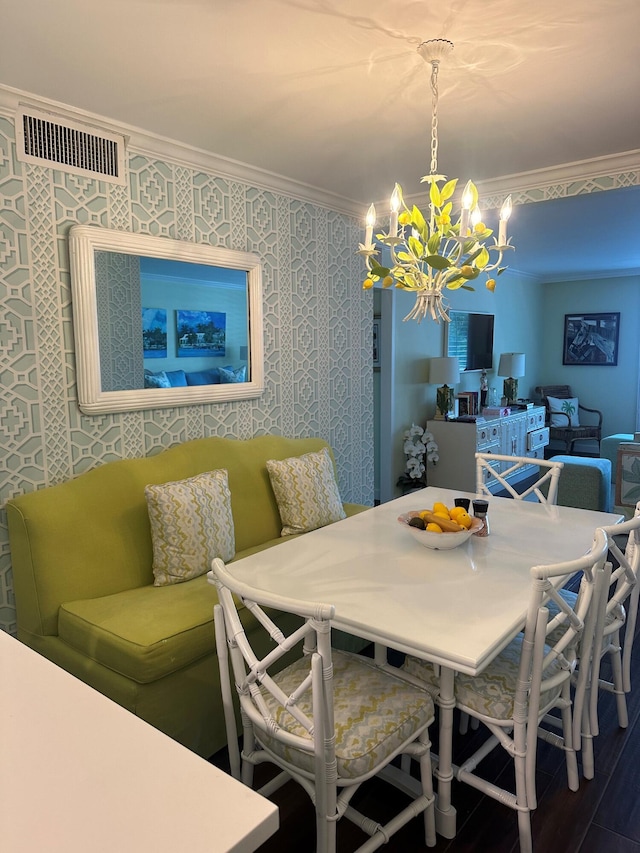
x=445 y=371
x=511 y=365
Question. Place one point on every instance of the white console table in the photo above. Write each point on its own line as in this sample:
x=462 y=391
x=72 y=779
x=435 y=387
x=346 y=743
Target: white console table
x=521 y=433
x=80 y=773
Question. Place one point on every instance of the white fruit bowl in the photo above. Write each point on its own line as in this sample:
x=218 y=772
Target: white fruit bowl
x=438 y=541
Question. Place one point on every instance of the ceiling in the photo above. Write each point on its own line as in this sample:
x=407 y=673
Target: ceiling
x=333 y=93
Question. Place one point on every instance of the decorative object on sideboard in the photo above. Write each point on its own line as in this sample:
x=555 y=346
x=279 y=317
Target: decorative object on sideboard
x=432 y=253
x=467 y=403
x=512 y=366
x=484 y=388
x=445 y=372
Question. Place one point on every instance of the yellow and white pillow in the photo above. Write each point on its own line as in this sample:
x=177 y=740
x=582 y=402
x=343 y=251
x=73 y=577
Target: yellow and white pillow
x=191 y=523
x=306 y=491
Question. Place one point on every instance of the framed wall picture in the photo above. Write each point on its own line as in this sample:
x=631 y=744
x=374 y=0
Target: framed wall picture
x=591 y=339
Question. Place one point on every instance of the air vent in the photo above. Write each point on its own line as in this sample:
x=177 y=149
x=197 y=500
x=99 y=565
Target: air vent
x=51 y=140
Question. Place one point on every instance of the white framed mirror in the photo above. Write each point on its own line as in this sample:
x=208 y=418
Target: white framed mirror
x=161 y=322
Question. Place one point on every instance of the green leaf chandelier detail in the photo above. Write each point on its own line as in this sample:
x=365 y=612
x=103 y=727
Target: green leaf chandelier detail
x=433 y=253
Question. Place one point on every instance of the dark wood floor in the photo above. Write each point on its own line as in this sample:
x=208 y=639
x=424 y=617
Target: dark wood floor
x=602 y=817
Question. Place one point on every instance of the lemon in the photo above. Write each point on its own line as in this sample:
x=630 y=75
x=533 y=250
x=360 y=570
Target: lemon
x=456 y=511
x=440 y=507
x=432 y=527
x=464 y=519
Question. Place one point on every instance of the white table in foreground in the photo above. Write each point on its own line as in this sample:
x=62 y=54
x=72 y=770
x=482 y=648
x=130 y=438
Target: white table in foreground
x=80 y=773
x=458 y=608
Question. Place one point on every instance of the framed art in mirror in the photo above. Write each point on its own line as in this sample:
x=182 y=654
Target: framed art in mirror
x=161 y=322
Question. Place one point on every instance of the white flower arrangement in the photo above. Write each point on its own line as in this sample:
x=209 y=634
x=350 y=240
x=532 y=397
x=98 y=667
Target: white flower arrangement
x=419 y=447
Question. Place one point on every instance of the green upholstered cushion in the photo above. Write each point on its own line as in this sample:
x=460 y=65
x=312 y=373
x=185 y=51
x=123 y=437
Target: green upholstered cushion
x=584 y=483
x=148 y=632
x=143 y=633
x=191 y=524
x=306 y=491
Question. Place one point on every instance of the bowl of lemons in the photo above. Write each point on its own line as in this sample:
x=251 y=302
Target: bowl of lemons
x=440 y=528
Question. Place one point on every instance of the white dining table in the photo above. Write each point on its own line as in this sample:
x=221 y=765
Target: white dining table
x=81 y=774
x=458 y=608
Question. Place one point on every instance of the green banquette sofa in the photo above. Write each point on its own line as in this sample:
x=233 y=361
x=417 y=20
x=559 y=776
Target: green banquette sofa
x=85 y=597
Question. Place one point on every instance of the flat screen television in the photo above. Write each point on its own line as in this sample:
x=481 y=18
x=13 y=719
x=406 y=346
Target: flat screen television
x=469 y=337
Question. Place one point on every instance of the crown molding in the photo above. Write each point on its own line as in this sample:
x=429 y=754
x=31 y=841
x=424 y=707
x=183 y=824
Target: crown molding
x=584 y=176
x=611 y=172
x=149 y=144
x=594 y=275
x=625 y=165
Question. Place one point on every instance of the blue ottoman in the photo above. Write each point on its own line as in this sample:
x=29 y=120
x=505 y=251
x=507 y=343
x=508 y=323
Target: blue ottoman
x=609 y=449
x=585 y=482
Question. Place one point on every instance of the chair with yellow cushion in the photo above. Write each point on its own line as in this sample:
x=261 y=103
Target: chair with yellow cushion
x=330 y=720
x=528 y=678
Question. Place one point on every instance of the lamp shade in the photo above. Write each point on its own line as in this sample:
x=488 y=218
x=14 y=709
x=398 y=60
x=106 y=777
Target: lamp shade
x=511 y=364
x=444 y=371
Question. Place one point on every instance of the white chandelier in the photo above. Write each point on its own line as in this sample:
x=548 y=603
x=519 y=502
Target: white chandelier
x=433 y=253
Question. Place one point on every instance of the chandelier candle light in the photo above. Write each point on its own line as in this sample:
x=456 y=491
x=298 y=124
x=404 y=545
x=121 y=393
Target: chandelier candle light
x=433 y=253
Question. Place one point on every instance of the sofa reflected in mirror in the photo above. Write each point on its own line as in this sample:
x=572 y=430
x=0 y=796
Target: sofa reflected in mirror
x=161 y=322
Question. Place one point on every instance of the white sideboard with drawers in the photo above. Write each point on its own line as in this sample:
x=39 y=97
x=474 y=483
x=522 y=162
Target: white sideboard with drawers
x=522 y=433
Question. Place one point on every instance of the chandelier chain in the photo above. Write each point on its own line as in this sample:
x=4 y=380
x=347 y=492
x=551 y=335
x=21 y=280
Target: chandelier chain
x=434 y=117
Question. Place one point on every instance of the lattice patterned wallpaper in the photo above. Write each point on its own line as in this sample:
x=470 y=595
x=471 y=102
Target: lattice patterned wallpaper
x=317 y=324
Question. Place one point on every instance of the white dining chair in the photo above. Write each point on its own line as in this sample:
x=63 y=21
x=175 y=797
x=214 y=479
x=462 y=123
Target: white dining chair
x=328 y=719
x=496 y=468
x=528 y=678
x=619 y=612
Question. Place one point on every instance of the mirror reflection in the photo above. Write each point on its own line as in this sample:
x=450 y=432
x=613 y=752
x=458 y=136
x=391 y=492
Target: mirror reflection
x=191 y=327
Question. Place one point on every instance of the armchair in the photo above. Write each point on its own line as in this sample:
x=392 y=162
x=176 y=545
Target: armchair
x=563 y=421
